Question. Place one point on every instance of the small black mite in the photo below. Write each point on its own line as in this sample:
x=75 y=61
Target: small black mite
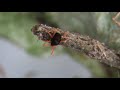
x=56 y=39
x=51 y=36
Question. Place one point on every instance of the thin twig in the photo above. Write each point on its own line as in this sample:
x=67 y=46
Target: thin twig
x=91 y=47
x=116 y=17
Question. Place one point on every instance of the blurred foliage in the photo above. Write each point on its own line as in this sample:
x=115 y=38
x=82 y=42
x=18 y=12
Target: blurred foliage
x=16 y=27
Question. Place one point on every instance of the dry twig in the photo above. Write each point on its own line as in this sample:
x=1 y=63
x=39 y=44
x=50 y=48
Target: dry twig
x=116 y=17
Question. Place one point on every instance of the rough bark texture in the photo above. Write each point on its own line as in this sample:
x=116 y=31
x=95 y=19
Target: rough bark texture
x=91 y=47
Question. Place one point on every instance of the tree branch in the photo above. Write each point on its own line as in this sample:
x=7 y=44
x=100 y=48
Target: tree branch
x=91 y=47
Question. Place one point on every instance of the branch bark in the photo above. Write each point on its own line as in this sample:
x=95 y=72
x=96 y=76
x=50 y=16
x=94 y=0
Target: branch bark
x=91 y=47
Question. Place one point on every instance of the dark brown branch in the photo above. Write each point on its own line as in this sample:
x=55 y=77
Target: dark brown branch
x=91 y=47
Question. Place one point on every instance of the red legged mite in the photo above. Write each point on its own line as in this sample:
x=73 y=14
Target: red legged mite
x=53 y=37
x=56 y=39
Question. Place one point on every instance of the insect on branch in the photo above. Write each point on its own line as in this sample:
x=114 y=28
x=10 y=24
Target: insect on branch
x=91 y=47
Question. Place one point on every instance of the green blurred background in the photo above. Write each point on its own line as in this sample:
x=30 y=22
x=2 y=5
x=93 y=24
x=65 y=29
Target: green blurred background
x=15 y=27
